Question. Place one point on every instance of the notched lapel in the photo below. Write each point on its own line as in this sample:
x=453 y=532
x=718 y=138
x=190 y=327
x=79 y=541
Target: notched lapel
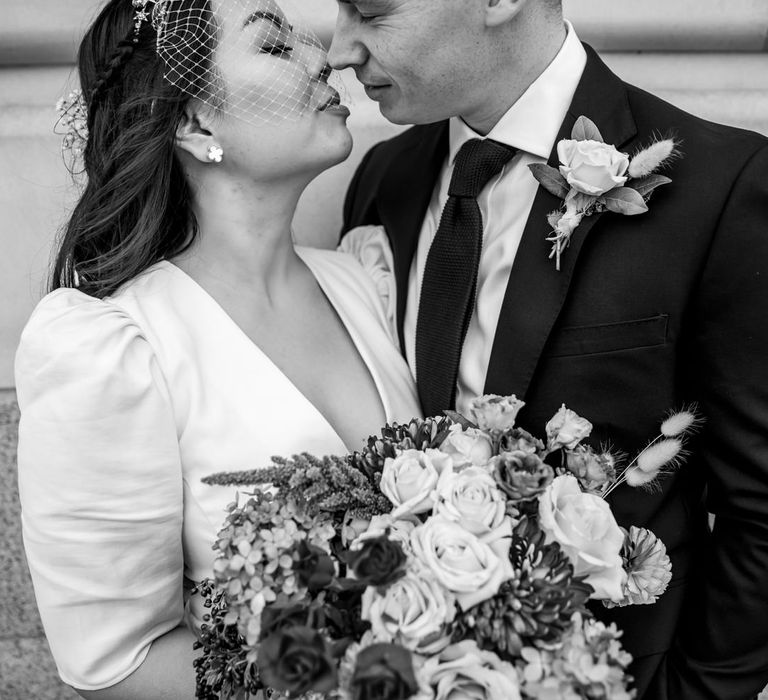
x=536 y=291
x=404 y=196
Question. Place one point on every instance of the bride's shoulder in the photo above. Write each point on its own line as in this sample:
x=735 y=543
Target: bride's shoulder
x=69 y=315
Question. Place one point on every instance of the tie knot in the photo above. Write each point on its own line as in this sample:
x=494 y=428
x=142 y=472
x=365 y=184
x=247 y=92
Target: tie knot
x=477 y=161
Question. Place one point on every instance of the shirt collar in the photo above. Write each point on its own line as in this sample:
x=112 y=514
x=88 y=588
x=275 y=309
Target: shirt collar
x=533 y=122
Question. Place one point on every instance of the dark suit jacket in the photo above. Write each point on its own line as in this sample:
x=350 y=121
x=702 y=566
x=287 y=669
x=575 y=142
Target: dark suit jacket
x=648 y=313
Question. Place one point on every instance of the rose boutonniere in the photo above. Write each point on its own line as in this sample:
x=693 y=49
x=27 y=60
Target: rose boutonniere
x=595 y=176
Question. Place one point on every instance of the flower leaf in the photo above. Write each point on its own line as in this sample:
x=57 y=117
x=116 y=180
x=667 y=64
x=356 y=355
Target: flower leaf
x=461 y=420
x=550 y=179
x=624 y=200
x=585 y=130
x=648 y=184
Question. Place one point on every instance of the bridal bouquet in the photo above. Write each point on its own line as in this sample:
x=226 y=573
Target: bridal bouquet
x=451 y=557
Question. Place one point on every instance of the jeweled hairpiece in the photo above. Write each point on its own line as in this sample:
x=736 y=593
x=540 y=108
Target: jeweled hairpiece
x=144 y=14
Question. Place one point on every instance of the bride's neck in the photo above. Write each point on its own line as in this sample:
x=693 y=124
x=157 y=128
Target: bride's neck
x=244 y=237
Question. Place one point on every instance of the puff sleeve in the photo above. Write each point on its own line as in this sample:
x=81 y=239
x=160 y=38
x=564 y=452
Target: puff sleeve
x=100 y=485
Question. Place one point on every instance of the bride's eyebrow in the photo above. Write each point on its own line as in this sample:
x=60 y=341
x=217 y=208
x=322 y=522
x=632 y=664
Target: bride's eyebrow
x=271 y=17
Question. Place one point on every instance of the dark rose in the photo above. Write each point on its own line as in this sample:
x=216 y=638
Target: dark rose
x=295 y=660
x=378 y=562
x=313 y=566
x=276 y=617
x=519 y=439
x=521 y=475
x=384 y=672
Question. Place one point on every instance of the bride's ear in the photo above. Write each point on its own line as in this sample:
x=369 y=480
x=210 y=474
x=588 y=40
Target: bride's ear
x=193 y=134
x=498 y=12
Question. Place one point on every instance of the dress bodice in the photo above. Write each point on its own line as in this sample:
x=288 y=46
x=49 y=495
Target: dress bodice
x=126 y=404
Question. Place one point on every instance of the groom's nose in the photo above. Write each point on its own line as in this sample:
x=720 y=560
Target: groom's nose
x=346 y=50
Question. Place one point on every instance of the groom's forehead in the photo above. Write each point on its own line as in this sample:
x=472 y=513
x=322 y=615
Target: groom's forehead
x=386 y=5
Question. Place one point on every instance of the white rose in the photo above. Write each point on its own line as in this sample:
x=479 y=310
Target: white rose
x=414 y=611
x=396 y=530
x=409 y=480
x=494 y=412
x=471 y=567
x=463 y=671
x=592 y=167
x=467 y=447
x=567 y=429
x=471 y=498
x=584 y=527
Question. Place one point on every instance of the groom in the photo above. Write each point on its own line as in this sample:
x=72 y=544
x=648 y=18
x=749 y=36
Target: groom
x=646 y=313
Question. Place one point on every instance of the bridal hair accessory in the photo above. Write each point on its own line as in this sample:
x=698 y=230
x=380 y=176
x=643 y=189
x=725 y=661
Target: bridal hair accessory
x=594 y=177
x=155 y=15
x=73 y=119
x=215 y=153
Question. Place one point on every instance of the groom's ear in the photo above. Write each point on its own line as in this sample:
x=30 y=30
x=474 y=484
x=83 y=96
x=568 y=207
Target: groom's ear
x=498 y=12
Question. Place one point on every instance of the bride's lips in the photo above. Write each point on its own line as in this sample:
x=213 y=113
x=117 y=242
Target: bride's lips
x=332 y=104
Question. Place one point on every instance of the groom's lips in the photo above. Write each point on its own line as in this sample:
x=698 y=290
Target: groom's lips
x=374 y=90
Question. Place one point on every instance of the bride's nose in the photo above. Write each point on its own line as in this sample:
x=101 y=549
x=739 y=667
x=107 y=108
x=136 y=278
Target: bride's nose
x=315 y=61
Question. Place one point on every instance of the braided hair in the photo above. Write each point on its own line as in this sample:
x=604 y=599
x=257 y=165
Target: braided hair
x=134 y=209
x=119 y=58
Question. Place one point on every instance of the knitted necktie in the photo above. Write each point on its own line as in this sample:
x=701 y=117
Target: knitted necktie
x=450 y=276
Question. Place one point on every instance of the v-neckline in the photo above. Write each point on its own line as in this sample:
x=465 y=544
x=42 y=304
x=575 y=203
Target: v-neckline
x=336 y=306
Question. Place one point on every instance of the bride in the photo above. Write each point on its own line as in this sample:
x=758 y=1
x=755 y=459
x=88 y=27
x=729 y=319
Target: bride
x=185 y=334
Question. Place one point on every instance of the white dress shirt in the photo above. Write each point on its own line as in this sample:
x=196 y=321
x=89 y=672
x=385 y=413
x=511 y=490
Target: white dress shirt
x=531 y=125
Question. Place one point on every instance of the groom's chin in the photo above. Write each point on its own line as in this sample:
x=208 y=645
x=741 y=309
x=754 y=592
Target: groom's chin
x=401 y=114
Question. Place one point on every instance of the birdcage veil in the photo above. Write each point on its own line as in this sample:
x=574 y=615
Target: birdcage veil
x=257 y=60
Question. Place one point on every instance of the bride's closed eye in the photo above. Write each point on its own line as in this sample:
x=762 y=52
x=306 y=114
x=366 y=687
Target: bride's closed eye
x=277 y=49
x=273 y=34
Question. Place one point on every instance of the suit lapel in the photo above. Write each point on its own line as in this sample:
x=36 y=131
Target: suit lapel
x=536 y=291
x=404 y=195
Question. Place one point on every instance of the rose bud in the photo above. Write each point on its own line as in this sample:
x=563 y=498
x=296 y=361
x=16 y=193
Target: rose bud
x=313 y=566
x=296 y=660
x=384 y=672
x=378 y=561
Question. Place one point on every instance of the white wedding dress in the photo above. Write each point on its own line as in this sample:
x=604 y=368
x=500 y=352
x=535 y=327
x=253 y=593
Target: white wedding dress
x=126 y=403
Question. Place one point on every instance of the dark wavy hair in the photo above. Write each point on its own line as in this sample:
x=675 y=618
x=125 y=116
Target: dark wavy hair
x=134 y=210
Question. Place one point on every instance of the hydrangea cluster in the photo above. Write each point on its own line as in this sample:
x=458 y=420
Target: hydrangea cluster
x=256 y=566
x=589 y=663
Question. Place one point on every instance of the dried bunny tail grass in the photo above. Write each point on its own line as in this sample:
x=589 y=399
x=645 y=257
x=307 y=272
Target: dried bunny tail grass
x=650 y=159
x=663 y=453
x=636 y=478
x=682 y=422
x=658 y=458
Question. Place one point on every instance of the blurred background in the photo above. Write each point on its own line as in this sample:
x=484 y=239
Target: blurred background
x=709 y=57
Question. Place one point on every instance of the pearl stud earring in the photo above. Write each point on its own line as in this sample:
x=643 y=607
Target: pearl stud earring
x=215 y=153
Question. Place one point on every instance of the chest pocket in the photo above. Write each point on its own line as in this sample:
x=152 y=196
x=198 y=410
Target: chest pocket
x=608 y=337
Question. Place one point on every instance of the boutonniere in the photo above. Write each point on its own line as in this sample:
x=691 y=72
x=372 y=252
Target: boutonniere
x=594 y=176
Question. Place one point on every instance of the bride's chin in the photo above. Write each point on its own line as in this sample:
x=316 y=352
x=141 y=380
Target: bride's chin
x=336 y=147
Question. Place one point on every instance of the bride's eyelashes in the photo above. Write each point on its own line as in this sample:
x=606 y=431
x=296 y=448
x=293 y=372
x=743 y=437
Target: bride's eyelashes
x=277 y=49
